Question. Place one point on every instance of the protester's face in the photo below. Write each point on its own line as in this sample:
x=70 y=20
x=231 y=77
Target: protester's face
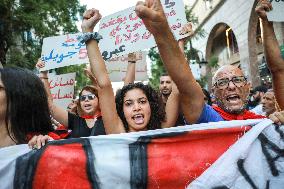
x=268 y=103
x=257 y=96
x=89 y=102
x=137 y=110
x=231 y=96
x=3 y=101
x=165 y=85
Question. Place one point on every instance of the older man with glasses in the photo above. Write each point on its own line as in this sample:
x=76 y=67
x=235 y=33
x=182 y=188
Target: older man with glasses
x=231 y=90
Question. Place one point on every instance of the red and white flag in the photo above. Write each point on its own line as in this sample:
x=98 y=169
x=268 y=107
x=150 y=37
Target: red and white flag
x=213 y=155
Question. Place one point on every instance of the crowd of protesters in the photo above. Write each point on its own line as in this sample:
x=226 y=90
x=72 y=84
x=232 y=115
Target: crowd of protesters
x=27 y=109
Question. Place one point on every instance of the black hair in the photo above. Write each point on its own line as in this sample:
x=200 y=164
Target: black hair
x=164 y=74
x=156 y=104
x=27 y=110
x=260 y=88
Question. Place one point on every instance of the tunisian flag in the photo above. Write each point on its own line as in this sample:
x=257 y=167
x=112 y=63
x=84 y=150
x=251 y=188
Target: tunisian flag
x=166 y=158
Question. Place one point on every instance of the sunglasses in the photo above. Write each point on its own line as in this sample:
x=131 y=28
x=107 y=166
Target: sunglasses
x=89 y=97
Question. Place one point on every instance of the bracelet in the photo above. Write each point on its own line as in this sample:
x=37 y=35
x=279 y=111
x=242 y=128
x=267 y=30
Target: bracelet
x=43 y=77
x=131 y=61
x=83 y=38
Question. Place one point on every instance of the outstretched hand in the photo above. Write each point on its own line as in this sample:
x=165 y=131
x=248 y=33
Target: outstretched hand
x=152 y=14
x=262 y=7
x=90 y=18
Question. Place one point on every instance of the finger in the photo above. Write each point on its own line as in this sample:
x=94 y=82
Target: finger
x=87 y=14
x=274 y=119
x=145 y=12
x=38 y=142
x=96 y=16
x=267 y=7
x=43 y=140
x=280 y=116
x=32 y=142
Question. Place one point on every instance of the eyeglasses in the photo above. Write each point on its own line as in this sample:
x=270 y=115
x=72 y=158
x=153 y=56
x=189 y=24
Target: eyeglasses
x=89 y=97
x=238 y=81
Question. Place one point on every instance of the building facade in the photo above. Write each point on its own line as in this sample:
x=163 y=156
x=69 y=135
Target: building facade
x=233 y=36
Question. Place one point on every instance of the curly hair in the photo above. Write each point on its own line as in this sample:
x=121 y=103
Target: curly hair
x=27 y=108
x=156 y=104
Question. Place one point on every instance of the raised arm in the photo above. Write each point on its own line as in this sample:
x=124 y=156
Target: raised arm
x=191 y=96
x=172 y=108
x=57 y=112
x=272 y=52
x=112 y=122
x=130 y=73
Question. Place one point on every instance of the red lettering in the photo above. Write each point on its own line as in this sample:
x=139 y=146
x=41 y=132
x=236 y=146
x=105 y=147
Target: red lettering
x=83 y=54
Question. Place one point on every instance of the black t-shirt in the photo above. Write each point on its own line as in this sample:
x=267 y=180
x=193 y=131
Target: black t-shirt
x=80 y=128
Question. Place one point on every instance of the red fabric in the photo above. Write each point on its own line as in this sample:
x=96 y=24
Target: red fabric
x=62 y=131
x=53 y=135
x=174 y=162
x=62 y=166
x=56 y=135
x=244 y=116
x=92 y=116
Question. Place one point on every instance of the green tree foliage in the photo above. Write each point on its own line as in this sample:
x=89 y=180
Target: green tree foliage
x=24 y=24
x=157 y=68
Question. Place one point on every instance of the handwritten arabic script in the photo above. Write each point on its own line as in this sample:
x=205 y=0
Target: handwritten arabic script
x=126 y=29
x=62 y=88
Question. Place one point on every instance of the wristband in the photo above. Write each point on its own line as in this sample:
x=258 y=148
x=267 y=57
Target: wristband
x=43 y=77
x=131 y=61
x=83 y=38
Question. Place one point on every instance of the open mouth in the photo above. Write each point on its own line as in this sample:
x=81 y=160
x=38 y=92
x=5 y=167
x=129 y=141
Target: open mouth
x=233 y=98
x=138 y=118
x=87 y=106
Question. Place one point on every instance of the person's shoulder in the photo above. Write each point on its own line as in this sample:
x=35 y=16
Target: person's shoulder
x=209 y=115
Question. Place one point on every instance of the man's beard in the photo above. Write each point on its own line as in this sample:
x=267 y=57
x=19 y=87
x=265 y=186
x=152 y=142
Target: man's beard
x=231 y=111
x=166 y=93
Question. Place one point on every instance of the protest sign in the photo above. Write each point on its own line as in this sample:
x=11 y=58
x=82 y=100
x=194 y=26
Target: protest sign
x=276 y=14
x=64 y=50
x=124 y=32
x=62 y=88
x=117 y=67
x=212 y=155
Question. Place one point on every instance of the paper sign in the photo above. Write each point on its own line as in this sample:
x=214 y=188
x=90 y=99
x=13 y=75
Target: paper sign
x=276 y=15
x=124 y=32
x=117 y=67
x=62 y=88
x=63 y=51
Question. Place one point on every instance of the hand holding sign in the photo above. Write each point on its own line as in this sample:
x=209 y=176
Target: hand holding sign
x=263 y=6
x=273 y=15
